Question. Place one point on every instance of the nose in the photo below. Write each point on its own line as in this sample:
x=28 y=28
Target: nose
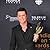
x=23 y=17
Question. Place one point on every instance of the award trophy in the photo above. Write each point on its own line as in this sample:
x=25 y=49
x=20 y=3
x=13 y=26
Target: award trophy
x=39 y=29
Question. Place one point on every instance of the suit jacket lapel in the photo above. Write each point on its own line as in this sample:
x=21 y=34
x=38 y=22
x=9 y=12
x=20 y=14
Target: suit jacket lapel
x=20 y=33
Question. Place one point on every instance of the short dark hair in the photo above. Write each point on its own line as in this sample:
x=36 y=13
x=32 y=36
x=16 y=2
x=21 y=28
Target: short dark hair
x=21 y=9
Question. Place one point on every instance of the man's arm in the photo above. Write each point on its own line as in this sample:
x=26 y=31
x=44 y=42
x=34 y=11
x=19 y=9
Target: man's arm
x=13 y=40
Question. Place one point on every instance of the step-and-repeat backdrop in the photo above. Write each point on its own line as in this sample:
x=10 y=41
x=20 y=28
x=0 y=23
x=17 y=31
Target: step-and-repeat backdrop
x=38 y=11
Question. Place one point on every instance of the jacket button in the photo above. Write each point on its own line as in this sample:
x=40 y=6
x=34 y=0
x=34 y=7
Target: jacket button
x=25 y=49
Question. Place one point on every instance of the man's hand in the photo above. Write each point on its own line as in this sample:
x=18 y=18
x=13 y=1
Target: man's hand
x=36 y=37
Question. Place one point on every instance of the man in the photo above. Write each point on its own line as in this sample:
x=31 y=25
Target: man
x=22 y=35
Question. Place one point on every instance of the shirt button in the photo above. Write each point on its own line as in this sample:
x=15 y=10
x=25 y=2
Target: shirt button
x=25 y=49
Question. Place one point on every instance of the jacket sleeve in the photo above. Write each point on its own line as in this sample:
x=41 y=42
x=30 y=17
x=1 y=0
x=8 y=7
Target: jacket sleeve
x=13 y=41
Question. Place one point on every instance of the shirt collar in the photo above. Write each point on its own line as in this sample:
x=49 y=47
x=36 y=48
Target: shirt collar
x=28 y=25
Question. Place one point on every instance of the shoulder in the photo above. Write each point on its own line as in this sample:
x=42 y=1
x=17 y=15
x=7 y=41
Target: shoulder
x=15 y=30
x=15 y=27
x=32 y=25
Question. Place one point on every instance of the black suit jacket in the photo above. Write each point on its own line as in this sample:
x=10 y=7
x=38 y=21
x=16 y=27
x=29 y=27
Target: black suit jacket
x=22 y=40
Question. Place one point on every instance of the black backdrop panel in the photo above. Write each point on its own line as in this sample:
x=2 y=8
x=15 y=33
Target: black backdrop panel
x=10 y=9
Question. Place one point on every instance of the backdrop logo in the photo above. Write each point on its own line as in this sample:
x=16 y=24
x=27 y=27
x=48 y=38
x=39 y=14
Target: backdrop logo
x=11 y=18
x=38 y=2
x=13 y=1
x=38 y=17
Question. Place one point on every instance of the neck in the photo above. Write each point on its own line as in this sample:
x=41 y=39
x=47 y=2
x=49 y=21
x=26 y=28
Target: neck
x=24 y=26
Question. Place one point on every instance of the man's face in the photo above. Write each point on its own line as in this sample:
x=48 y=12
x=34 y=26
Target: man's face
x=22 y=17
